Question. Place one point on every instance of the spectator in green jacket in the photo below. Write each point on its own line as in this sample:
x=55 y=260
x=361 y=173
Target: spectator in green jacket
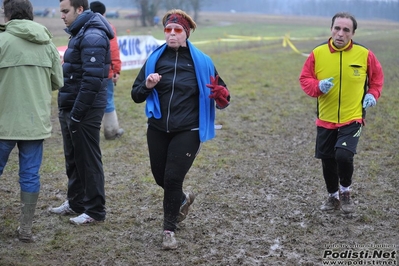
x=30 y=69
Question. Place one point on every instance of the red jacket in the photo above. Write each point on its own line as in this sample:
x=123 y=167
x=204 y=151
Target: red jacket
x=116 y=63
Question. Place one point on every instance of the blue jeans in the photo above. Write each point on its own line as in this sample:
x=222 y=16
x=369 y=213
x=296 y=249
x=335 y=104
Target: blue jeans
x=30 y=159
x=110 y=97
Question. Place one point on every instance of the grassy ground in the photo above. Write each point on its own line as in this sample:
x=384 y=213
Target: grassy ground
x=258 y=185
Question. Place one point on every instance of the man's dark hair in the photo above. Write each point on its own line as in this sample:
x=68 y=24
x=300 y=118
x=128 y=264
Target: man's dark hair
x=79 y=3
x=18 y=9
x=97 y=7
x=345 y=15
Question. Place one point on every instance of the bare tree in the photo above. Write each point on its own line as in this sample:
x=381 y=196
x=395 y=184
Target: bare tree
x=196 y=5
x=143 y=5
x=175 y=4
x=150 y=8
x=190 y=5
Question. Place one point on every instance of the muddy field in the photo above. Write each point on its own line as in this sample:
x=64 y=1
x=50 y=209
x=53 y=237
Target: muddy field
x=258 y=186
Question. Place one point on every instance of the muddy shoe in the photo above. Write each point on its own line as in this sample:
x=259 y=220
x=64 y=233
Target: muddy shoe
x=119 y=133
x=114 y=135
x=332 y=203
x=169 y=241
x=346 y=202
x=190 y=196
x=25 y=236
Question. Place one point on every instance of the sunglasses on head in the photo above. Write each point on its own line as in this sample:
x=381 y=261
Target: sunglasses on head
x=169 y=30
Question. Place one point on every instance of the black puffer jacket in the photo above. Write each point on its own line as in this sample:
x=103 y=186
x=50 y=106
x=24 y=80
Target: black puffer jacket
x=86 y=65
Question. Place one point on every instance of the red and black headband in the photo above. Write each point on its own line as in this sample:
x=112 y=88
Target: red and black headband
x=179 y=19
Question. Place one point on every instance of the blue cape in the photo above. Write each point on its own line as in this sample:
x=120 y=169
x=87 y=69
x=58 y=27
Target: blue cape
x=204 y=69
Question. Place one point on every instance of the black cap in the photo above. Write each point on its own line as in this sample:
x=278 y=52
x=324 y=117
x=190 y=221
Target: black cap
x=97 y=7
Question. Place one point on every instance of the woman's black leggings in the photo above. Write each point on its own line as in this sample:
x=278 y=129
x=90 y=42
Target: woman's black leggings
x=171 y=156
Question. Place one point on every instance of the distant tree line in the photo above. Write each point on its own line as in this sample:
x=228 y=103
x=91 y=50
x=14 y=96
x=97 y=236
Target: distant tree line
x=364 y=9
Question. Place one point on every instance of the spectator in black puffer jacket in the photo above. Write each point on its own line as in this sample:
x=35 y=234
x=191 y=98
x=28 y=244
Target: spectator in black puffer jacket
x=81 y=104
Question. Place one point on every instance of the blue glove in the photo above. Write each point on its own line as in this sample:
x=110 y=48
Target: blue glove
x=369 y=101
x=325 y=85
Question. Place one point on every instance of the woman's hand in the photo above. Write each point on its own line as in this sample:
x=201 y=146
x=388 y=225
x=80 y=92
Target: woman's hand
x=152 y=80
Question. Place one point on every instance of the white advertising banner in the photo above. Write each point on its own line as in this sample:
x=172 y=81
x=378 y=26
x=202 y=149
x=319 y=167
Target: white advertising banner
x=134 y=50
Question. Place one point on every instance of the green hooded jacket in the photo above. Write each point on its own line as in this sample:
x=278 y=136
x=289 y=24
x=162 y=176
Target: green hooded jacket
x=30 y=69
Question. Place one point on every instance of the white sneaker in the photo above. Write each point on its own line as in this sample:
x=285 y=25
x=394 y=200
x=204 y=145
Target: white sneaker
x=64 y=209
x=169 y=240
x=82 y=219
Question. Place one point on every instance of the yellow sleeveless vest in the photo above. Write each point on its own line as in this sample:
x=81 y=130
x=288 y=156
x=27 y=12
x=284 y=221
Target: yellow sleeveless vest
x=348 y=67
